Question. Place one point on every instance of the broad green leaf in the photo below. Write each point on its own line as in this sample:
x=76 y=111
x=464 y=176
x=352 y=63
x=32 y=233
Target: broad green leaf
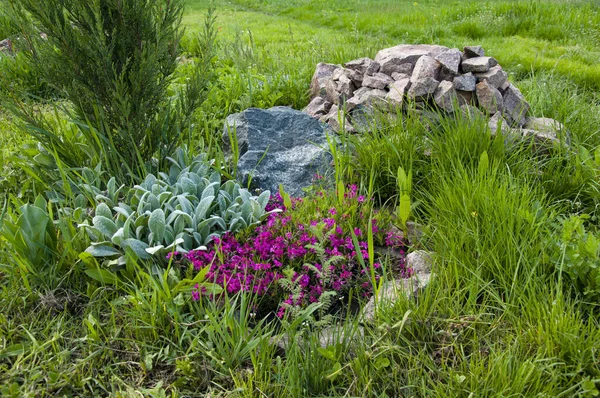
x=105 y=225
x=102 y=250
x=483 y=165
x=104 y=211
x=138 y=247
x=404 y=209
x=156 y=224
x=102 y=275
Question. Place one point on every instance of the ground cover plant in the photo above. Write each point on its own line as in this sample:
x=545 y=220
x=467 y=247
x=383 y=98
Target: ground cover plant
x=275 y=309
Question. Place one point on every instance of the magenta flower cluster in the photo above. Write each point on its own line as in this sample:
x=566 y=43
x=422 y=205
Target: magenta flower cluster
x=286 y=247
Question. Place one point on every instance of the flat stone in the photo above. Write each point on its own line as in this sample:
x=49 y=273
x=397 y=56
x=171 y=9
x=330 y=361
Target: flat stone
x=450 y=60
x=323 y=74
x=364 y=66
x=318 y=107
x=445 y=96
x=465 y=82
x=279 y=146
x=474 y=51
x=421 y=89
x=378 y=80
x=426 y=67
x=489 y=98
x=391 y=59
x=497 y=122
x=495 y=76
x=542 y=139
x=400 y=76
x=395 y=96
x=549 y=127
x=479 y=64
x=370 y=97
x=515 y=106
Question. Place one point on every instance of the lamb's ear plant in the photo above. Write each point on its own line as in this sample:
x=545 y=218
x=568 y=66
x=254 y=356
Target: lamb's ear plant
x=181 y=210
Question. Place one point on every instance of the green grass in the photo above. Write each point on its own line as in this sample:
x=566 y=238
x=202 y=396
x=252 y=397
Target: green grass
x=497 y=320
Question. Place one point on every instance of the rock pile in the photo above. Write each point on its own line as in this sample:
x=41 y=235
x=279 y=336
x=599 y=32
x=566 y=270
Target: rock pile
x=429 y=75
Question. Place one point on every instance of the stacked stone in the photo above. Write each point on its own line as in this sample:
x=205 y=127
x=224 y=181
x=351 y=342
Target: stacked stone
x=429 y=75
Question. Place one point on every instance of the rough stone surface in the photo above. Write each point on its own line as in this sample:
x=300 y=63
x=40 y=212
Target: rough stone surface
x=445 y=96
x=497 y=121
x=471 y=112
x=292 y=146
x=318 y=107
x=465 y=82
x=392 y=59
x=400 y=76
x=364 y=66
x=392 y=290
x=495 y=76
x=420 y=262
x=323 y=74
x=370 y=97
x=489 y=98
x=474 y=51
x=423 y=88
x=425 y=68
x=450 y=60
x=395 y=96
x=378 y=80
x=515 y=106
x=430 y=75
x=549 y=129
x=478 y=64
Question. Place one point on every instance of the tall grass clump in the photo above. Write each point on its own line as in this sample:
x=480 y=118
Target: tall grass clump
x=114 y=62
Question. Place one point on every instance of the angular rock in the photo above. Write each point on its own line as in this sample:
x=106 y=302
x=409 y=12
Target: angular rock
x=497 y=122
x=478 y=64
x=420 y=262
x=423 y=88
x=378 y=80
x=465 y=82
x=338 y=91
x=392 y=290
x=471 y=112
x=279 y=146
x=504 y=87
x=323 y=74
x=373 y=97
x=398 y=89
x=332 y=335
x=318 y=107
x=333 y=119
x=426 y=67
x=400 y=76
x=445 y=96
x=396 y=58
x=549 y=128
x=474 y=51
x=489 y=98
x=450 y=60
x=495 y=76
x=364 y=66
x=541 y=139
x=515 y=107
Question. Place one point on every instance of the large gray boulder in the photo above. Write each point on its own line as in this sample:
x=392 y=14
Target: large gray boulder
x=403 y=58
x=279 y=146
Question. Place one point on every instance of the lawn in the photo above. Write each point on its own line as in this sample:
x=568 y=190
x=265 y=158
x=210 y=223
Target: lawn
x=512 y=309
